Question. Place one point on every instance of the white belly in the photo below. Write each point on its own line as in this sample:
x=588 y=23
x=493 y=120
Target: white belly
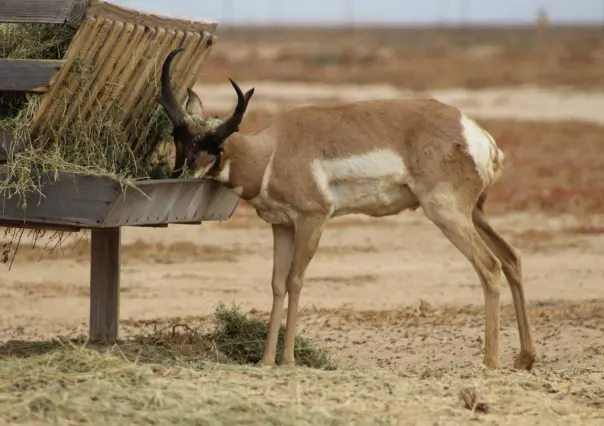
x=374 y=184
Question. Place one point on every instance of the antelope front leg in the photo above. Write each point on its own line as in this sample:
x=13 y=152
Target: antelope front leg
x=283 y=247
x=306 y=240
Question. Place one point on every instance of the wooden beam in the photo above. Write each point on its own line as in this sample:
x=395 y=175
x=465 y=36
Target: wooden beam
x=87 y=201
x=66 y=199
x=24 y=75
x=43 y=11
x=105 y=284
x=171 y=201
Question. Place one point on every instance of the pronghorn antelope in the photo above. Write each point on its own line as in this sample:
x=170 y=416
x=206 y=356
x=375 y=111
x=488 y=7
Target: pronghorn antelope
x=377 y=158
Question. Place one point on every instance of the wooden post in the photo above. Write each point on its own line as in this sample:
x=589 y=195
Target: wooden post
x=105 y=283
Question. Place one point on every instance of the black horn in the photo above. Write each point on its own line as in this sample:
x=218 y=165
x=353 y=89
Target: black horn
x=167 y=99
x=231 y=125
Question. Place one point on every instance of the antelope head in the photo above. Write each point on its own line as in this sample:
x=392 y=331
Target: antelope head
x=199 y=140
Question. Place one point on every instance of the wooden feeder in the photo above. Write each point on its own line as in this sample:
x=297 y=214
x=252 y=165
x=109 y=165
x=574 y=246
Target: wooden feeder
x=127 y=48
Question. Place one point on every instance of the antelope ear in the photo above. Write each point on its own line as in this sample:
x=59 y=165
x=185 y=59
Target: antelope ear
x=194 y=104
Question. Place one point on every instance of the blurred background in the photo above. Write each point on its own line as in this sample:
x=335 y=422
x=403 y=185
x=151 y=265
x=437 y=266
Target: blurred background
x=532 y=71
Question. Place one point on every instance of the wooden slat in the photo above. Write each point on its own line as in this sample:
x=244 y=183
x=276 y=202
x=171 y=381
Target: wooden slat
x=91 y=202
x=43 y=11
x=165 y=45
x=74 y=82
x=110 y=32
x=48 y=104
x=63 y=96
x=141 y=73
x=105 y=258
x=172 y=201
x=72 y=200
x=24 y=75
x=108 y=63
x=147 y=19
x=192 y=73
x=194 y=70
x=107 y=93
x=128 y=73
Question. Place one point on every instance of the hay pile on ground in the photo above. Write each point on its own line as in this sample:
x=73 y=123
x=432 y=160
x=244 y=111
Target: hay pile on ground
x=236 y=339
x=168 y=378
x=96 y=144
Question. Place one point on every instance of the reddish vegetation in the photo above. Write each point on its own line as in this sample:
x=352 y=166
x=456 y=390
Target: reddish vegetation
x=417 y=59
x=554 y=166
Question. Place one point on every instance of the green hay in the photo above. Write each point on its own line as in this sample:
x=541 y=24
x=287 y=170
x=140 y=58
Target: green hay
x=241 y=339
x=98 y=146
x=235 y=340
x=95 y=145
x=30 y=41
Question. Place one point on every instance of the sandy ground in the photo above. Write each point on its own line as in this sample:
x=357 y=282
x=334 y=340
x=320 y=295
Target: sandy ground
x=368 y=282
x=522 y=103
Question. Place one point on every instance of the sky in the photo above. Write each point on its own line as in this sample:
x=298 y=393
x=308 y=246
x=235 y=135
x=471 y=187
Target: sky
x=327 y=12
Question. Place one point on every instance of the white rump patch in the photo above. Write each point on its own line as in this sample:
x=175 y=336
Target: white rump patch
x=481 y=147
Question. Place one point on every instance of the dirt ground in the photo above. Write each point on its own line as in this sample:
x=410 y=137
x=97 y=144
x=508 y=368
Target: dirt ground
x=387 y=293
x=369 y=280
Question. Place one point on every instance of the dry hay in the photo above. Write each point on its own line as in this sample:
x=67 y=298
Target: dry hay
x=235 y=339
x=180 y=374
x=96 y=144
x=79 y=385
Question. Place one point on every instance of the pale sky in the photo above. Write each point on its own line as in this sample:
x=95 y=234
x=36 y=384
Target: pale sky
x=374 y=11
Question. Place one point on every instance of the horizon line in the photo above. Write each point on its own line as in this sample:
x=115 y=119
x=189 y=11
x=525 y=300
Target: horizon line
x=408 y=24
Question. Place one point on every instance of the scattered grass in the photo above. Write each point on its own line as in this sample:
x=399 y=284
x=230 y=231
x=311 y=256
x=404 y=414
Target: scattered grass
x=70 y=384
x=241 y=339
x=236 y=339
x=96 y=144
x=30 y=41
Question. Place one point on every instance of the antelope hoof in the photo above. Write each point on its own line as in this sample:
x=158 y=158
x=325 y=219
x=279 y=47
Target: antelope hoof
x=525 y=361
x=265 y=364
x=287 y=363
x=491 y=364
